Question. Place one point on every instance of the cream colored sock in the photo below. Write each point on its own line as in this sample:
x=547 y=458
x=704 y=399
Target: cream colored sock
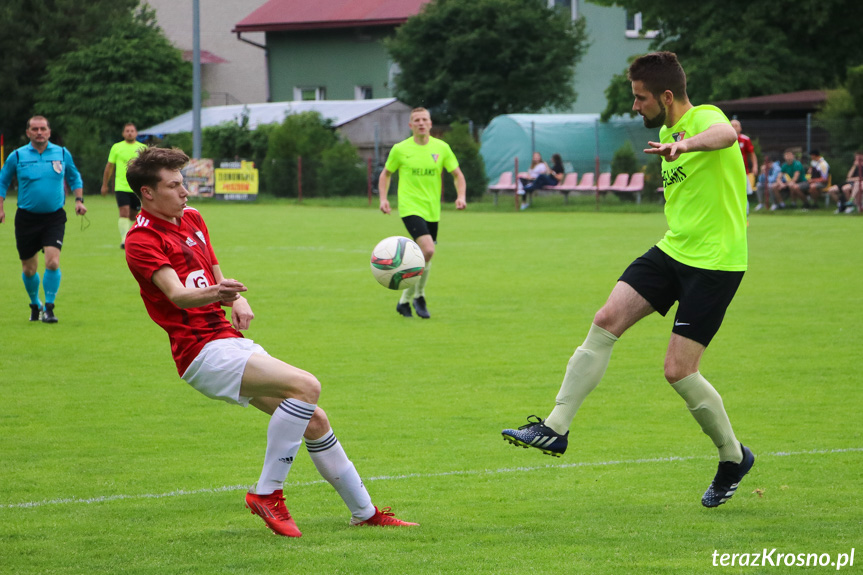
x=408 y=294
x=583 y=373
x=705 y=404
x=421 y=286
x=124 y=225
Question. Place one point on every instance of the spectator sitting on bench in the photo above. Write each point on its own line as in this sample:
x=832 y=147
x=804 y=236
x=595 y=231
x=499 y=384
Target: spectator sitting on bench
x=818 y=173
x=552 y=178
x=537 y=169
x=791 y=180
x=849 y=193
x=771 y=170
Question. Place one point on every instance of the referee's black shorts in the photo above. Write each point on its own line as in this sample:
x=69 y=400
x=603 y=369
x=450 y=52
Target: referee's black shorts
x=703 y=295
x=35 y=231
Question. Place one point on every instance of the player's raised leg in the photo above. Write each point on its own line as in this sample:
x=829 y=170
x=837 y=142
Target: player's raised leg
x=583 y=372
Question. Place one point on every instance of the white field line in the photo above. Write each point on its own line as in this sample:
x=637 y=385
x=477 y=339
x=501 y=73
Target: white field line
x=180 y=492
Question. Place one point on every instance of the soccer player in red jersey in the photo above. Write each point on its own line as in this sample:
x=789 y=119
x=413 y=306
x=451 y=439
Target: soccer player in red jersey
x=170 y=255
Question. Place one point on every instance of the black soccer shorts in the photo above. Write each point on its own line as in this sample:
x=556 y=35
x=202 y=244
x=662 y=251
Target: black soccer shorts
x=417 y=227
x=34 y=231
x=703 y=295
x=128 y=199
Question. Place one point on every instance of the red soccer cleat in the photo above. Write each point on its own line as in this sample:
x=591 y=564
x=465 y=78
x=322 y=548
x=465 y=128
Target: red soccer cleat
x=271 y=508
x=385 y=518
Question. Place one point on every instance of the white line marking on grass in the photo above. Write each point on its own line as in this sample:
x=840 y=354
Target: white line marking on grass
x=180 y=492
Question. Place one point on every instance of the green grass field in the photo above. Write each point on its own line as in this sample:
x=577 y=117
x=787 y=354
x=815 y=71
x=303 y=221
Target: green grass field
x=111 y=464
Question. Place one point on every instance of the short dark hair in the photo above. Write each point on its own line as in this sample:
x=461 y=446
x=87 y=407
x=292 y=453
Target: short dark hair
x=659 y=71
x=143 y=169
x=38 y=117
x=814 y=153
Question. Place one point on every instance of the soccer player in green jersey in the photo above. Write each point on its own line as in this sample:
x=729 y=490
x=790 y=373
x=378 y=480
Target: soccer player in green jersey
x=699 y=263
x=127 y=202
x=420 y=161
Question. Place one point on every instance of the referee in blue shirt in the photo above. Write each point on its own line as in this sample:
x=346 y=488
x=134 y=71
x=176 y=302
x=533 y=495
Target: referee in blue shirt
x=41 y=168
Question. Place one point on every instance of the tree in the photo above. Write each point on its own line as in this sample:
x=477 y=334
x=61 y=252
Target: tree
x=842 y=117
x=132 y=75
x=739 y=49
x=466 y=150
x=475 y=60
x=330 y=165
x=36 y=32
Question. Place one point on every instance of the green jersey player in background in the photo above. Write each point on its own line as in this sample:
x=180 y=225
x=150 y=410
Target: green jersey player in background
x=699 y=263
x=420 y=161
x=128 y=203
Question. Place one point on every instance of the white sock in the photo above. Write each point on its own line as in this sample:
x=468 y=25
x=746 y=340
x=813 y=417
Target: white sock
x=421 y=286
x=583 y=373
x=333 y=464
x=284 y=435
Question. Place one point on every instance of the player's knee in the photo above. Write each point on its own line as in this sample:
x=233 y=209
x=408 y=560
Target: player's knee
x=428 y=253
x=308 y=388
x=319 y=424
x=675 y=371
x=604 y=318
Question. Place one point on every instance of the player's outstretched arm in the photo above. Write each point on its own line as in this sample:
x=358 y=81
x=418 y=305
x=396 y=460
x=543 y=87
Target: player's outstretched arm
x=225 y=291
x=716 y=137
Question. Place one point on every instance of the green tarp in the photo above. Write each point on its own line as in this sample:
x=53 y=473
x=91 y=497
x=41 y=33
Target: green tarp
x=573 y=136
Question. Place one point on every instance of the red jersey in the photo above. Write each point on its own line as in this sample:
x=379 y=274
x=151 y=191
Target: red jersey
x=747 y=149
x=154 y=243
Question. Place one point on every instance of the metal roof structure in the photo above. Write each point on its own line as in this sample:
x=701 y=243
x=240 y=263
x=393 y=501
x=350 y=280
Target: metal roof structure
x=802 y=100
x=279 y=15
x=340 y=112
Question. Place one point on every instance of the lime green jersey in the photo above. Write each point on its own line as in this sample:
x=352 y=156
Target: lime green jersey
x=420 y=169
x=120 y=154
x=705 y=198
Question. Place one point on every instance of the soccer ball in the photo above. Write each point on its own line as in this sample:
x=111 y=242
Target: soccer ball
x=397 y=262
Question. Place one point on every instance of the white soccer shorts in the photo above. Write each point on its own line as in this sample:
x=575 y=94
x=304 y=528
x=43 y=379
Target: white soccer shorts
x=217 y=371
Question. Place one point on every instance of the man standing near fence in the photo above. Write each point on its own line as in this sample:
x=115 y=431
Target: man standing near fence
x=699 y=263
x=42 y=169
x=420 y=161
x=127 y=202
x=750 y=159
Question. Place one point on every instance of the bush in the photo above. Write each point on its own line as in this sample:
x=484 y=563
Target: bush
x=652 y=177
x=472 y=166
x=344 y=171
x=331 y=166
x=623 y=161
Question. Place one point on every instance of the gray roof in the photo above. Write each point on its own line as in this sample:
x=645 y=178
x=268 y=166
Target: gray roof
x=339 y=111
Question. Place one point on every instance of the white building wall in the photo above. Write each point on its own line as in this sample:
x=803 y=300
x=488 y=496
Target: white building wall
x=243 y=79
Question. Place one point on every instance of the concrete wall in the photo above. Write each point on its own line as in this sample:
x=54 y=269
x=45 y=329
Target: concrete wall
x=243 y=79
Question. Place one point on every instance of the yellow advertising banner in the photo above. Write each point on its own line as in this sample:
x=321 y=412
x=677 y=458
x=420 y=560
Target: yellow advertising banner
x=237 y=183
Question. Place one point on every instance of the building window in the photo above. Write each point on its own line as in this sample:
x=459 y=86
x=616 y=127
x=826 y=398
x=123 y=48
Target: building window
x=363 y=93
x=634 y=28
x=306 y=93
x=566 y=7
